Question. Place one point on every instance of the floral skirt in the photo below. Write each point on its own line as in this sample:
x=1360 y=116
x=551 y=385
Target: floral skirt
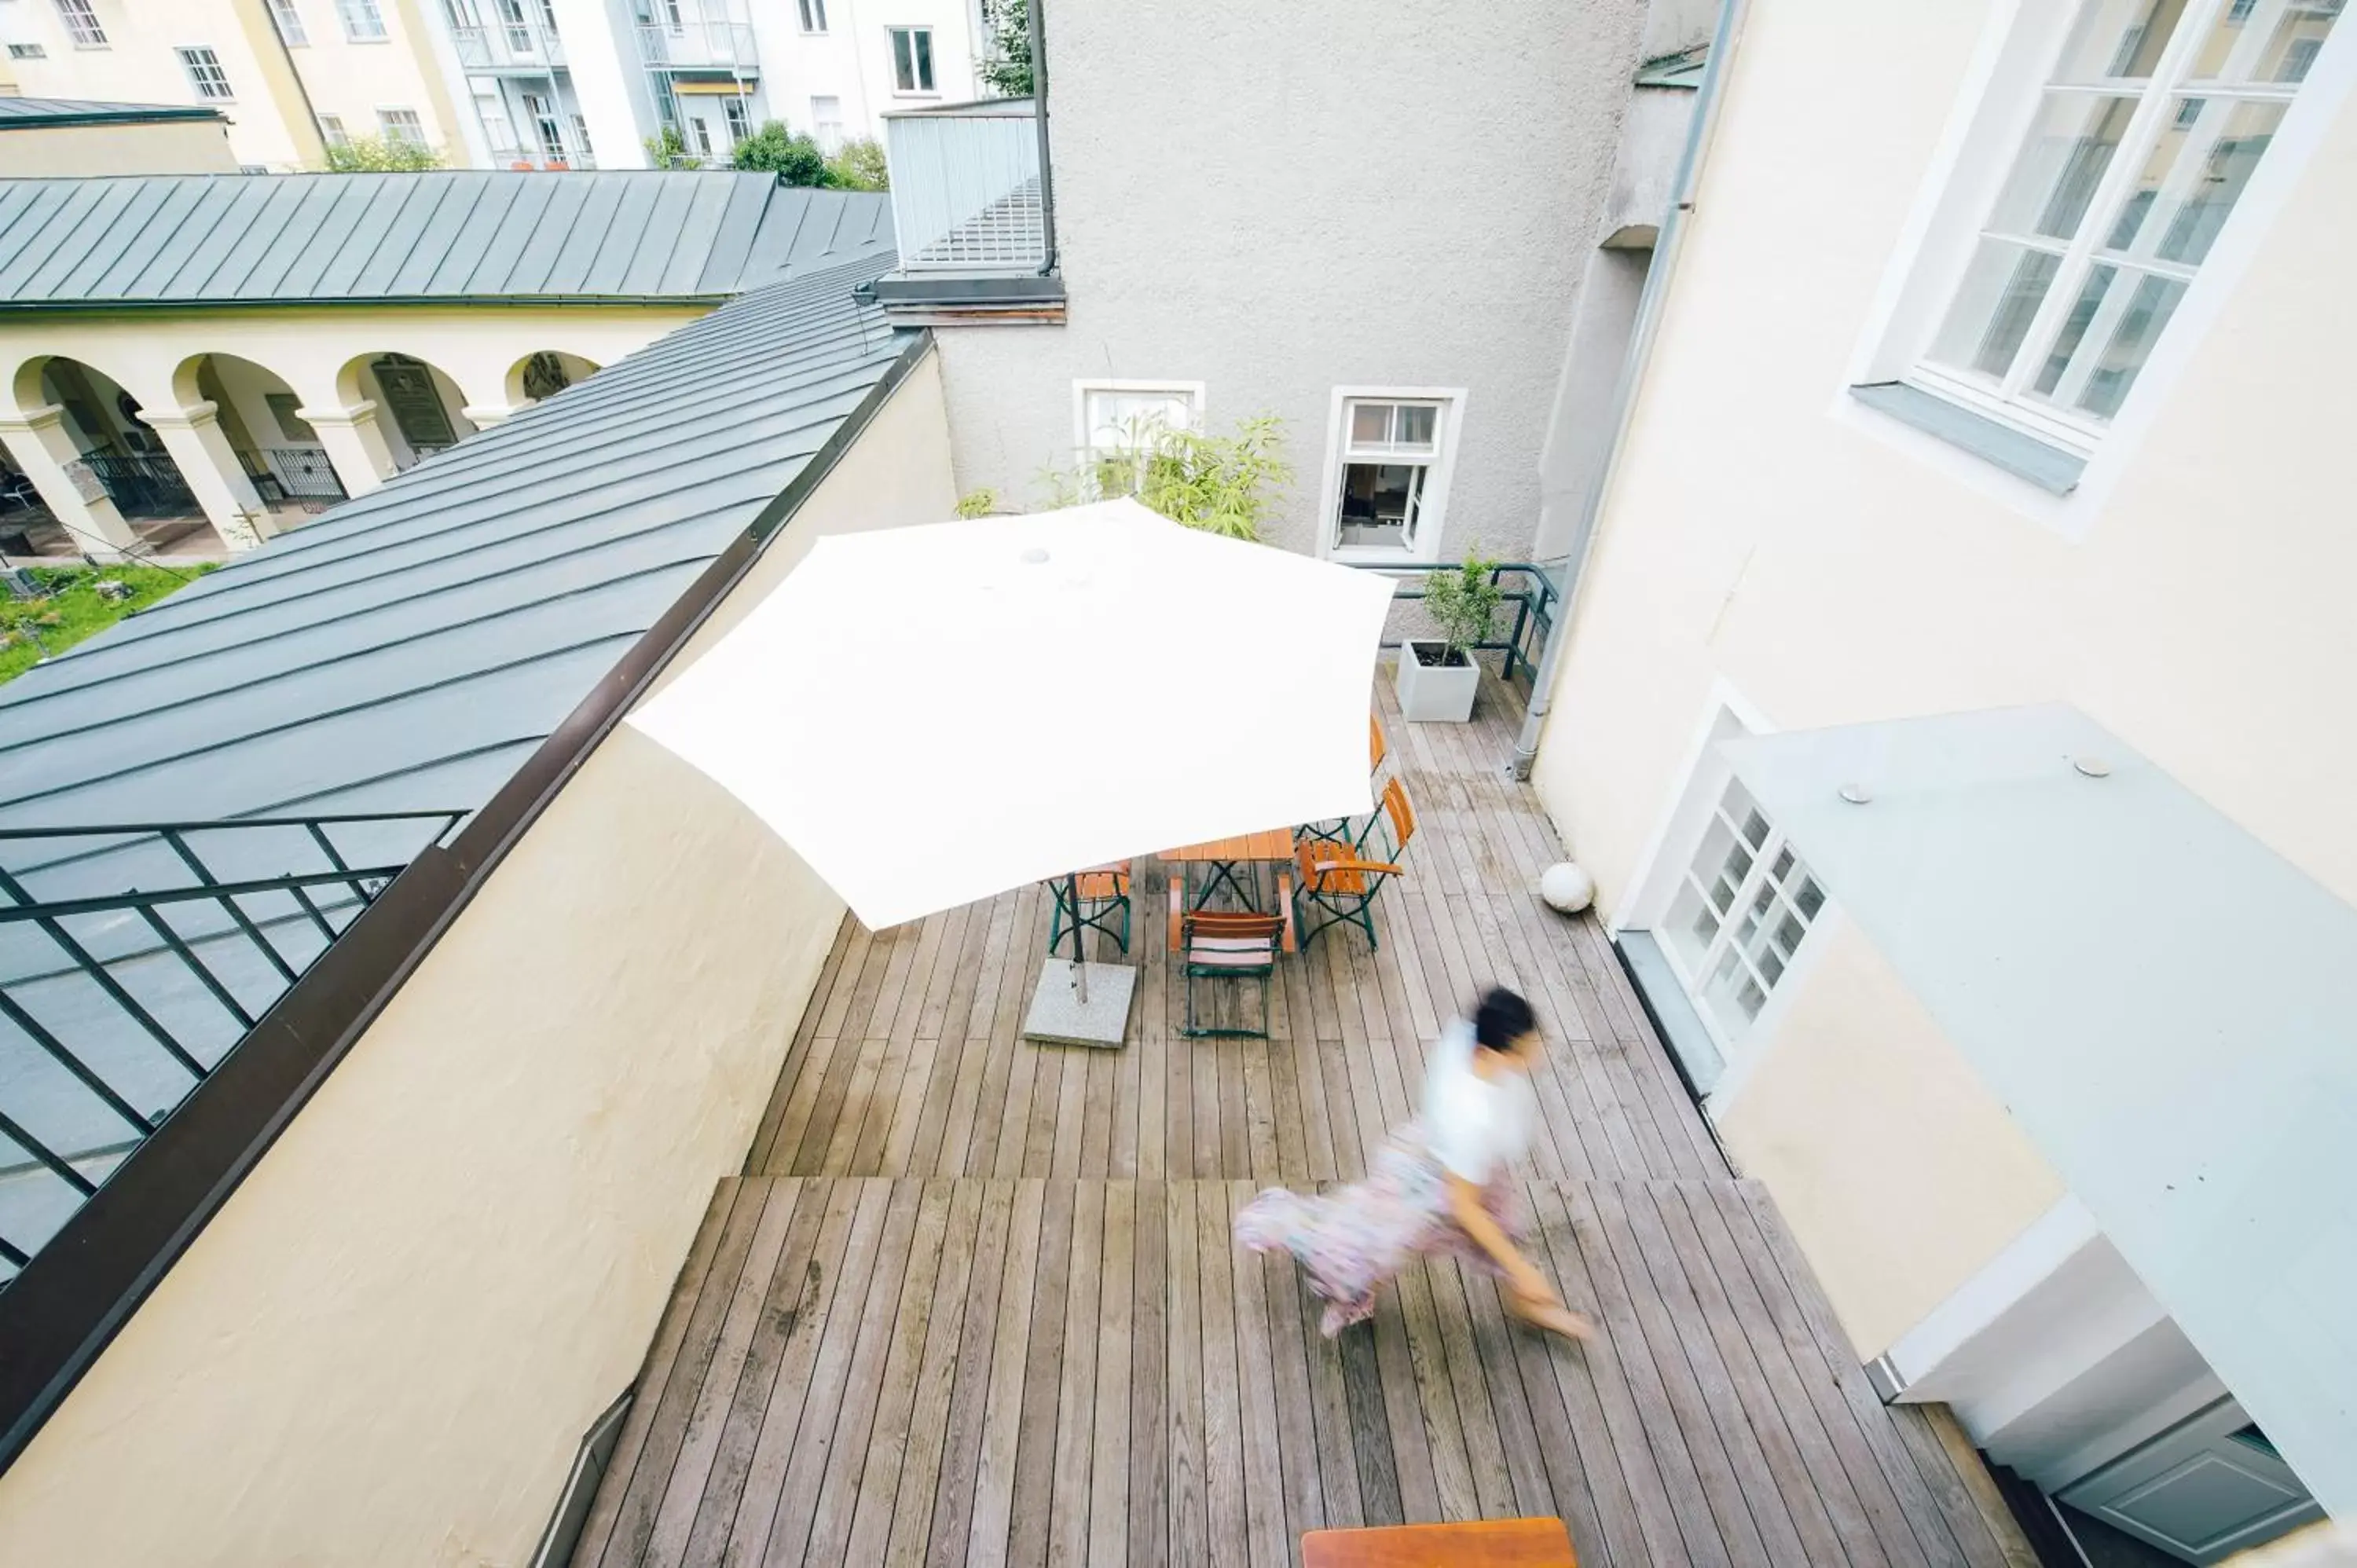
x=1349 y=1240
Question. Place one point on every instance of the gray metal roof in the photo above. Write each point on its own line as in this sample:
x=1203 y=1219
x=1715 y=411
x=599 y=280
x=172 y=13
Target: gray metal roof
x=441 y=236
x=409 y=649
x=28 y=113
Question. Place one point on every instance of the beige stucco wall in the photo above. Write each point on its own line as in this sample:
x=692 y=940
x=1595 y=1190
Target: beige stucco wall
x=1899 y=1174
x=1758 y=533
x=386 y=1346
x=160 y=146
x=312 y=348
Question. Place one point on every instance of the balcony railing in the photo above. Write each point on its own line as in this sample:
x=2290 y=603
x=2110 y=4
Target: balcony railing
x=1524 y=588
x=966 y=189
x=699 y=45
x=135 y=959
x=511 y=157
x=511 y=45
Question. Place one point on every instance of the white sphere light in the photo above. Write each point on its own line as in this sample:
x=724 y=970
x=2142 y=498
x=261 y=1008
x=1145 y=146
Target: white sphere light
x=1567 y=887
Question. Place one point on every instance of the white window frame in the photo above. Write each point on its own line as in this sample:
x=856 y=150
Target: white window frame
x=384 y=124
x=363 y=21
x=199 y=70
x=737 y=115
x=1700 y=783
x=83 y=29
x=699 y=135
x=2018 y=54
x=545 y=115
x=27 y=51
x=289 y=22
x=827 y=130
x=1432 y=501
x=811 y=14
x=1083 y=390
x=919 y=88
x=332 y=132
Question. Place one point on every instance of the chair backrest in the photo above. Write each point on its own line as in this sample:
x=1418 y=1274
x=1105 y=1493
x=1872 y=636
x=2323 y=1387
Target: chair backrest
x=1399 y=815
x=1232 y=930
x=1377 y=748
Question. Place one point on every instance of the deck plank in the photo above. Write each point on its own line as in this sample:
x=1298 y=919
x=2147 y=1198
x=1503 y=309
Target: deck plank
x=977 y=1301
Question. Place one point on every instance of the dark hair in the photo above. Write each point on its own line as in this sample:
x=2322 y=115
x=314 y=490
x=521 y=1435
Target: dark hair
x=1501 y=1019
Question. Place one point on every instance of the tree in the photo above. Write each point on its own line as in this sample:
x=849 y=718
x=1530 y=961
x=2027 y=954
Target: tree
x=379 y=155
x=1222 y=484
x=859 y=167
x=1008 y=69
x=794 y=159
x=666 y=150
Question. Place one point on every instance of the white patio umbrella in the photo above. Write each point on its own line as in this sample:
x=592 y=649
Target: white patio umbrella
x=931 y=715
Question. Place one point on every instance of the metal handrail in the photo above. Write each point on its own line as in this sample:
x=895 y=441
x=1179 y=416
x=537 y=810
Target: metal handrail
x=1534 y=602
x=117 y=1001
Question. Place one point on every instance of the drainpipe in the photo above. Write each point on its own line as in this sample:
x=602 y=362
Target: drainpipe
x=1033 y=9
x=1632 y=371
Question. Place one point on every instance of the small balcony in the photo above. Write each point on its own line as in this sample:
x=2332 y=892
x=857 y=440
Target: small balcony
x=700 y=46
x=975 y=212
x=523 y=49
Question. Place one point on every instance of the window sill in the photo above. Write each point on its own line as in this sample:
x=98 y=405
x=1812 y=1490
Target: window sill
x=2050 y=467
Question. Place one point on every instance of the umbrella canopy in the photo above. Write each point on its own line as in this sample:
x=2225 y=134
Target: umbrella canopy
x=933 y=716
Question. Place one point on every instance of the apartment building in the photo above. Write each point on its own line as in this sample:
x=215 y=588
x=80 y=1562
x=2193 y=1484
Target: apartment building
x=1948 y=716
x=290 y=76
x=502 y=83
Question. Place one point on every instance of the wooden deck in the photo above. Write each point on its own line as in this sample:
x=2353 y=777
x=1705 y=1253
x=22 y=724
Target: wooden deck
x=974 y=1299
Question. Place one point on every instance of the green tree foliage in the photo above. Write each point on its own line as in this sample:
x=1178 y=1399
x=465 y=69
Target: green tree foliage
x=859 y=167
x=379 y=155
x=794 y=159
x=1007 y=67
x=666 y=150
x=1463 y=603
x=1222 y=484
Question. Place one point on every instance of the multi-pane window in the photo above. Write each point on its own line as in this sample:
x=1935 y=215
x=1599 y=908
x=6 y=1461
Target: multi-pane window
x=545 y=121
x=401 y=126
x=1391 y=450
x=332 y=132
x=27 y=51
x=700 y=134
x=912 y=59
x=363 y=22
x=81 y=24
x=581 y=159
x=813 y=16
x=289 y=22
x=2145 y=137
x=205 y=73
x=1741 y=912
x=827 y=121
x=517 y=26
x=740 y=120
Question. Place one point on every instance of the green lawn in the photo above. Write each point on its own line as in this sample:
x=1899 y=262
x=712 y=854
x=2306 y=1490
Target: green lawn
x=72 y=608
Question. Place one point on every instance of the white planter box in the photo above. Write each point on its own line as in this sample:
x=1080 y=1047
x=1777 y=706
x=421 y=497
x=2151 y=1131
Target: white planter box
x=1434 y=693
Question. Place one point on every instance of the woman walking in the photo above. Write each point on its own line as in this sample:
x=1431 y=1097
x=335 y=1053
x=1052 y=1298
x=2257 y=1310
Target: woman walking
x=1441 y=1187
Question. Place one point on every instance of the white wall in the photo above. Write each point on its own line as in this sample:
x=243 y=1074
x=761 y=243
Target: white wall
x=1276 y=200
x=852 y=60
x=1761 y=533
x=385 y=1347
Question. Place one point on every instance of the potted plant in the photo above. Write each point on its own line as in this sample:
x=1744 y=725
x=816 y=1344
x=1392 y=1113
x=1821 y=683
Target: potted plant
x=1437 y=677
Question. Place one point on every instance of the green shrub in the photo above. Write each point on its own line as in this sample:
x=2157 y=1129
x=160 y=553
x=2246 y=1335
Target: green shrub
x=1222 y=484
x=1463 y=603
x=792 y=158
x=666 y=150
x=379 y=154
x=859 y=167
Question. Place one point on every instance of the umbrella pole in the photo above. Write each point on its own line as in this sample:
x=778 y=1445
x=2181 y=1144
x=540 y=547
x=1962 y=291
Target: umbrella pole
x=1079 y=963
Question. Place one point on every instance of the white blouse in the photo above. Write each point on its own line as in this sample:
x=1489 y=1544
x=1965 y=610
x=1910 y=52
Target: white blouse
x=1475 y=1126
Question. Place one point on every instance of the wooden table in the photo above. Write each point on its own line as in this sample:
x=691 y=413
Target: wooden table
x=1487 y=1543
x=1224 y=856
